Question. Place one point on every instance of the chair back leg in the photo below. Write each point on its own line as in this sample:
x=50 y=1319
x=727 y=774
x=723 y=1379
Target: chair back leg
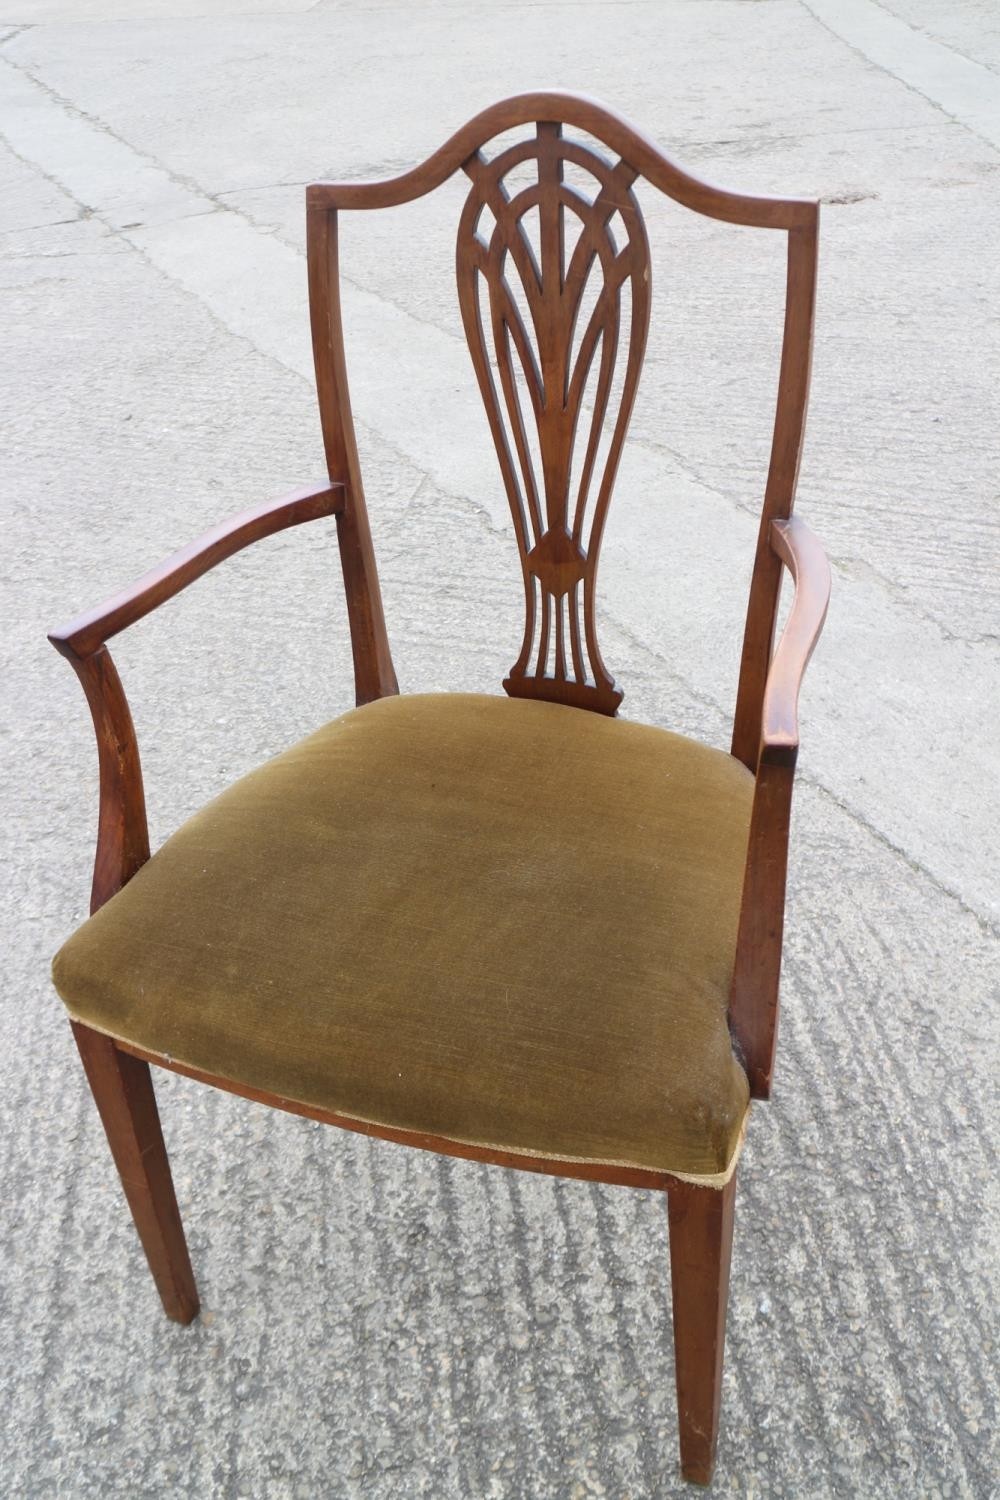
x=701 y=1241
x=123 y=1092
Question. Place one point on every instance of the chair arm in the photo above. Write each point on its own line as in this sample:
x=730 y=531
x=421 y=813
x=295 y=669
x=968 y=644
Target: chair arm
x=122 y=836
x=88 y=631
x=803 y=556
x=753 y=1001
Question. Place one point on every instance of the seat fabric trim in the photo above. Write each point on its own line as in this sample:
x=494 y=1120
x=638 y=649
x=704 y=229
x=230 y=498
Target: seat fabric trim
x=711 y=1179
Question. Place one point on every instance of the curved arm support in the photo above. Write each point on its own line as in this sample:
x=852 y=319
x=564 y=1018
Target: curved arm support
x=802 y=553
x=122 y=835
x=753 y=1003
x=89 y=631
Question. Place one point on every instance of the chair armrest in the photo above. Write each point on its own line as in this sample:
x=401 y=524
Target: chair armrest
x=122 y=836
x=753 y=1001
x=88 y=631
x=803 y=556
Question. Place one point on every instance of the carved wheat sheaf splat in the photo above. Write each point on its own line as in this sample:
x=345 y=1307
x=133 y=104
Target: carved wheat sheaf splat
x=541 y=293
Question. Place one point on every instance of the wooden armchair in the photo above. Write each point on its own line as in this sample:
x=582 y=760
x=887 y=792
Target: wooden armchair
x=510 y=928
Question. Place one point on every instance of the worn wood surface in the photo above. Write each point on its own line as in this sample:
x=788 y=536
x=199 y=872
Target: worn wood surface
x=701 y=1244
x=548 y=1166
x=803 y=556
x=123 y=1092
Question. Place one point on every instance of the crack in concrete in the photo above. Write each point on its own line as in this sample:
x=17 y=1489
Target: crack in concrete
x=846 y=562
x=988 y=927
x=896 y=591
x=78 y=112
x=85 y=210
x=859 y=52
x=116 y=232
x=931 y=36
x=260 y=187
x=80 y=218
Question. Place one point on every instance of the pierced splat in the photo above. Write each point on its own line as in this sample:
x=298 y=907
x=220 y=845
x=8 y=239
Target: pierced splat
x=552 y=302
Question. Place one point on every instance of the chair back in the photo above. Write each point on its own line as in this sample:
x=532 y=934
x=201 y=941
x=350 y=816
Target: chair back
x=553 y=271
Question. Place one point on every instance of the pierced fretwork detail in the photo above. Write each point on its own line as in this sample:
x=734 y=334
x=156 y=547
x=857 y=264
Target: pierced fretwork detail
x=548 y=318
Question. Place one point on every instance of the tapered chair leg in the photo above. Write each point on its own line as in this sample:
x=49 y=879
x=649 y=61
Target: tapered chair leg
x=123 y=1093
x=701 y=1242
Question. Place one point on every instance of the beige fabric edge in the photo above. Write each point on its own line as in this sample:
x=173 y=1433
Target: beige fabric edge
x=709 y=1179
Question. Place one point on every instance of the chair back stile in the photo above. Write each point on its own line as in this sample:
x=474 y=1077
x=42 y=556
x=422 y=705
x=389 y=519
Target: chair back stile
x=779 y=493
x=374 y=674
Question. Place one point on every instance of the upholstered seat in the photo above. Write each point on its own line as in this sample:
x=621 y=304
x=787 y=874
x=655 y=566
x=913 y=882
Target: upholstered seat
x=504 y=922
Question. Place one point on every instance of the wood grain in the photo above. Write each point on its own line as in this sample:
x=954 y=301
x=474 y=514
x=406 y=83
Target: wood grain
x=754 y=997
x=122 y=832
x=374 y=674
x=123 y=1092
x=545 y=367
x=701 y=1243
x=779 y=493
x=753 y=1001
x=617 y=133
x=548 y=1166
x=802 y=555
x=92 y=629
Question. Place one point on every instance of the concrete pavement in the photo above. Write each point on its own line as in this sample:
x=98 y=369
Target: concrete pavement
x=378 y=1323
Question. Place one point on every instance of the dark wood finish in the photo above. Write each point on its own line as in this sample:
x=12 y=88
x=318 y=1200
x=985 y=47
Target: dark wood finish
x=701 y=1244
x=545 y=361
x=122 y=832
x=123 y=1092
x=92 y=629
x=374 y=674
x=558 y=533
x=122 y=835
x=613 y=130
x=753 y=1004
x=779 y=494
x=548 y=112
x=546 y=1166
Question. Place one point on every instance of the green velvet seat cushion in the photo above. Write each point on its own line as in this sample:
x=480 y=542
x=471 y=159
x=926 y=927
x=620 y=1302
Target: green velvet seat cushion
x=503 y=922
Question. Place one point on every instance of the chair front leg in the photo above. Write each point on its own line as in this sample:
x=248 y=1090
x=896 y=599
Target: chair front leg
x=123 y=1092
x=701 y=1242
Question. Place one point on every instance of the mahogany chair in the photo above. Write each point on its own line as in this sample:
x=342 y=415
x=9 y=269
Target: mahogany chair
x=513 y=928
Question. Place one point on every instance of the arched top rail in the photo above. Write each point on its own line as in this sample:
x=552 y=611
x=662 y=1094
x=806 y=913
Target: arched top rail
x=553 y=106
